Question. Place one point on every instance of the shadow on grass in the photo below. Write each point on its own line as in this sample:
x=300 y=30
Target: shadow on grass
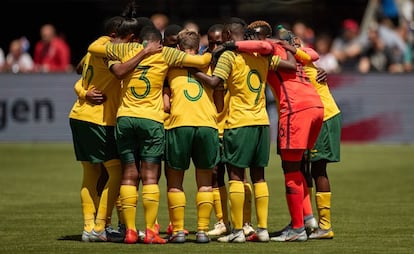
x=70 y=238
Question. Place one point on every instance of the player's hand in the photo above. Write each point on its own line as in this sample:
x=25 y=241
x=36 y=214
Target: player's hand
x=152 y=47
x=321 y=75
x=193 y=70
x=95 y=97
x=216 y=53
x=286 y=45
x=283 y=43
x=228 y=45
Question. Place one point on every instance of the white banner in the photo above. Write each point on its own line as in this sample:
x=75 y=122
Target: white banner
x=375 y=107
x=35 y=107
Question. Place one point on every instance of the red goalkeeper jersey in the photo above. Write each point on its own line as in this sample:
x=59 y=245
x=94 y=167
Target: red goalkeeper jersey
x=293 y=90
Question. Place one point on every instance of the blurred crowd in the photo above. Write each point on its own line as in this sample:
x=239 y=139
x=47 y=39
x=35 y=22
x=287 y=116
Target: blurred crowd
x=51 y=54
x=381 y=42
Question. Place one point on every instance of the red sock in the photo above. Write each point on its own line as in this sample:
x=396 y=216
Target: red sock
x=307 y=205
x=294 y=196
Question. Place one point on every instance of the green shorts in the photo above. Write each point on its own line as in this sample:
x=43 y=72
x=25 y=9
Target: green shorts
x=246 y=147
x=221 y=150
x=92 y=142
x=327 y=146
x=199 y=143
x=139 y=138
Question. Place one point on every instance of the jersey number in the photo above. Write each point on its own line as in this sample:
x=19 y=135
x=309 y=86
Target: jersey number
x=147 y=82
x=192 y=80
x=254 y=89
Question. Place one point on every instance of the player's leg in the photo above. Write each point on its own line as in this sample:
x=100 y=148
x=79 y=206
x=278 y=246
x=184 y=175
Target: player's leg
x=109 y=195
x=204 y=202
x=327 y=150
x=323 y=201
x=128 y=193
x=89 y=196
x=261 y=199
x=151 y=199
x=206 y=155
x=238 y=150
x=247 y=208
x=310 y=222
x=222 y=226
x=236 y=199
x=257 y=176
x=293 y=137
x=176 y=204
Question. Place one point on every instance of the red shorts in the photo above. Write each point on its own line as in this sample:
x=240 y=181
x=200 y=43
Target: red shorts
x=298 y=131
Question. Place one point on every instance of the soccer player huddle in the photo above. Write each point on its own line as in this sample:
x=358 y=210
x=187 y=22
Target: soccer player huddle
x=142 y=104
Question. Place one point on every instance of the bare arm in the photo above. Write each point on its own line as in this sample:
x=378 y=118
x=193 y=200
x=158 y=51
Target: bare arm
x=79 y=66
x=98 y=47
x=289 y=63
x=218 y=97
x=261 y=47
x=92 y=96
x=212 y=81
x=121 y=70
x=303 y=55
x=166 y=92
x=321 y=75
x=312 y=53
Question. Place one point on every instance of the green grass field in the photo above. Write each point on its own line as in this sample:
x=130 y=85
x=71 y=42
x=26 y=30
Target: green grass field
x=372 y=206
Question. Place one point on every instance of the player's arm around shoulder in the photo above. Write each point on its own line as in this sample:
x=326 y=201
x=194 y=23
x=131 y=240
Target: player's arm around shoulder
x=98 y=47
x=121 y=70
x=306 y=55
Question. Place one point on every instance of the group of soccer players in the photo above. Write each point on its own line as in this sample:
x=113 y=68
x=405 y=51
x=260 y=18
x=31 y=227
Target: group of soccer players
x=140 y=103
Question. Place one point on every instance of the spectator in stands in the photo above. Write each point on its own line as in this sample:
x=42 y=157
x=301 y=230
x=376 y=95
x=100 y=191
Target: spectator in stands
x=389 y=9
x=2 y=60
x=191 y=25
x=51 y=53
x=305 y=33
x=347 y=46
x=392 y=40
x=160 y=21
x=378 y=56
x=17 y=60
x=25 y=43
x=406 y=32
x=327 y=60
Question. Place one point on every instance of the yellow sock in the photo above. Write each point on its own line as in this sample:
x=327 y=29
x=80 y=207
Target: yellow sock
x=150 y=201
x=88 y=194
x=217 y=204
x=224 y=200
x=261 y=197
x=205 y=202
x=236 y=198
x=176 y=209
x=118 y=205
x=109 y=194
x=323 y=205
x=129 y=197
x=247 y=208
